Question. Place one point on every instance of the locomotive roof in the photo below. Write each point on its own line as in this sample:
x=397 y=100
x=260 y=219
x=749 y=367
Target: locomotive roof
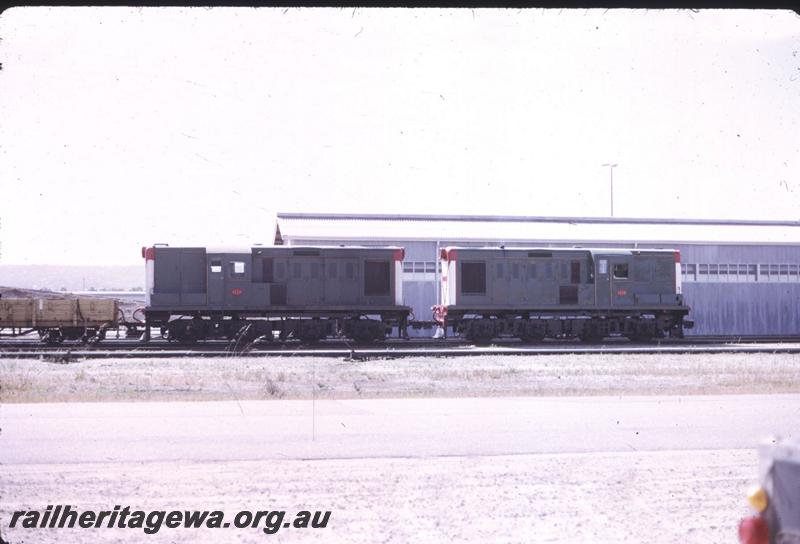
x=248 y=249
x=593 y=250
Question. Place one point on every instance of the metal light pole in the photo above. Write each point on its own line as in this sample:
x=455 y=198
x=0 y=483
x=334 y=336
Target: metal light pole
x=611 y=173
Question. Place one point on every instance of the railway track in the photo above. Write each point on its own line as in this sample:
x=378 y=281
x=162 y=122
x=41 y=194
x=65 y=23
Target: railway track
x=111 y=348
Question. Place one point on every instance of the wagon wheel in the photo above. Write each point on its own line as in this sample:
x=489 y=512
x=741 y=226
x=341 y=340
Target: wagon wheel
x=53 y=337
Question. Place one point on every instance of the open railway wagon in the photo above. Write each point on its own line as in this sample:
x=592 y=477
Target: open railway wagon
x=274 y=293
x=538 y=293
x=56 y=320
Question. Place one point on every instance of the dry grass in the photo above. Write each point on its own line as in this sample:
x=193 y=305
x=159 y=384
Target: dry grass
x=297 y=378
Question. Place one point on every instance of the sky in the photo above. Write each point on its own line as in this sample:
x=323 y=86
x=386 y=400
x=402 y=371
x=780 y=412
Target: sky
x=122 y=127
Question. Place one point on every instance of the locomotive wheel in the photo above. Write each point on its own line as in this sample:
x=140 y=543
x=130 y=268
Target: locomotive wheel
x=310 y=332
x=186 y=331
x=367 y=330
x=531 y=338
x=642 y=332
x=531 y=332
x=591 y=334
x=480 y=338
x=480 y=331
x=258 y=330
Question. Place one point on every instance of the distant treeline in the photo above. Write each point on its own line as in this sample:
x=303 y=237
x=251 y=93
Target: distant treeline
x=73 y=278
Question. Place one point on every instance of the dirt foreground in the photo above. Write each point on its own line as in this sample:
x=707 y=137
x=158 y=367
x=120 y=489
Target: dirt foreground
x=656 y=496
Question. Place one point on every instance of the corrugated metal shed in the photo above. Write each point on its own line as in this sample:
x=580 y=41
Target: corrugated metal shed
x=577 y=230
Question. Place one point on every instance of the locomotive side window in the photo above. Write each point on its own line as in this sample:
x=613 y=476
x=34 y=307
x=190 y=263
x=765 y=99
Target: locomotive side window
x=575 y=272
x=621 y=271
x=377 y=278
x=267 y=270
x=216 y=267
x=473 y=278
x=531 y=271
x=237 y=268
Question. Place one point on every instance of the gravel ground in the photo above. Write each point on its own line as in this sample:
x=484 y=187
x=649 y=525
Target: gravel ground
x=656 y=497
x=228 y=378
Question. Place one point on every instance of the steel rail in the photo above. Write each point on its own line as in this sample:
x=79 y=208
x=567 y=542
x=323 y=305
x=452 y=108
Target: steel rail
x=63 y=354
x=111 y=344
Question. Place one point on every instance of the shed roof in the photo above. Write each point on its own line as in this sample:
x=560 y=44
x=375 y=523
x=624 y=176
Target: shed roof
x=297 y=227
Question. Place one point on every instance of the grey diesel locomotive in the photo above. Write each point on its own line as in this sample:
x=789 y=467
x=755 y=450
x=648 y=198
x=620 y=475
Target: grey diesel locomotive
x=308 y=293
x=534 y=293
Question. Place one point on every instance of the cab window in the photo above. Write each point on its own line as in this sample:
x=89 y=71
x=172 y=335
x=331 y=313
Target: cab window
x=473 y=278
x=237 y=269
x=621 y=271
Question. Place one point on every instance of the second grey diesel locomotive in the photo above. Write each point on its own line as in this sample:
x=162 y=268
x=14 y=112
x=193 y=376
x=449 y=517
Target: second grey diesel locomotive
x=271 y=293
x=534 y=293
